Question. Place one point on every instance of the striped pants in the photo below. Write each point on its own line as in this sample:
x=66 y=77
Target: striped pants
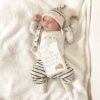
x=39 y=76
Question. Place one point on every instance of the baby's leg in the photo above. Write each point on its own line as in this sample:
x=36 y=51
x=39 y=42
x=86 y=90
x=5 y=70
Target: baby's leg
x=67 y=78
x=69 y=89
x=39 y=76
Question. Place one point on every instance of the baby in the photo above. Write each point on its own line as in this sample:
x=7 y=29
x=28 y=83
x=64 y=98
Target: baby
x=47 y=29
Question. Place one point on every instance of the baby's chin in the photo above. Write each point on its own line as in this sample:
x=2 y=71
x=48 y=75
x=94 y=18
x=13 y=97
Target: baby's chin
x=47 y=29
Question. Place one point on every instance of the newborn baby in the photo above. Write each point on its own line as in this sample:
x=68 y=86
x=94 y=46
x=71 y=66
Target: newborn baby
x=48 y=29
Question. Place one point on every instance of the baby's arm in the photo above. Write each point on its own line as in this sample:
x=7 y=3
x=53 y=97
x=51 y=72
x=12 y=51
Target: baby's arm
x=35 y=23
x=74 y=23
x=72 y=28
x=34 y=27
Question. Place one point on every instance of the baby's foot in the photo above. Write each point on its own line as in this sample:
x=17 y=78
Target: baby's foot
x=70 y=95
x=42 y=88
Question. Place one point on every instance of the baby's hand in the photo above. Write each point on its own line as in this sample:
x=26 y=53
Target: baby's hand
x=37 y=17
x=74 y=18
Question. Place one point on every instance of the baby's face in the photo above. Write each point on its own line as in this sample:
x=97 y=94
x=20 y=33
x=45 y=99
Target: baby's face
x=49 y=24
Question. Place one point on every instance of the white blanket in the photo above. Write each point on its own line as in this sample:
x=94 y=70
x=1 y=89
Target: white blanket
x=16 y=59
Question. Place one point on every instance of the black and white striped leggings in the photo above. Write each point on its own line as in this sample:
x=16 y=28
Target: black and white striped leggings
x=39 y=76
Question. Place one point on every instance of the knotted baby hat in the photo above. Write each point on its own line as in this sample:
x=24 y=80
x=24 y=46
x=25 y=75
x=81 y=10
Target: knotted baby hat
x=56 y=14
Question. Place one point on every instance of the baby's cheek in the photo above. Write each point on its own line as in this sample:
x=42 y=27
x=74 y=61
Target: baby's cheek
x=50 y=26
x=53 y=25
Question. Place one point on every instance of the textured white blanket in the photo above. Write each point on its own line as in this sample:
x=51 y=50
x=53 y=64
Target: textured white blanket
x=16 y=59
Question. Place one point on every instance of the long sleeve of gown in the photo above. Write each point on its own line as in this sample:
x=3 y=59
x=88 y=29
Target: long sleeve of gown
x=71 y=30
x=33 y=26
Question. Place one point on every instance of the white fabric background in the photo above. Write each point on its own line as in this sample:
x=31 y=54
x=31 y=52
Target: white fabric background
x=16 y=58
x=95 y=49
